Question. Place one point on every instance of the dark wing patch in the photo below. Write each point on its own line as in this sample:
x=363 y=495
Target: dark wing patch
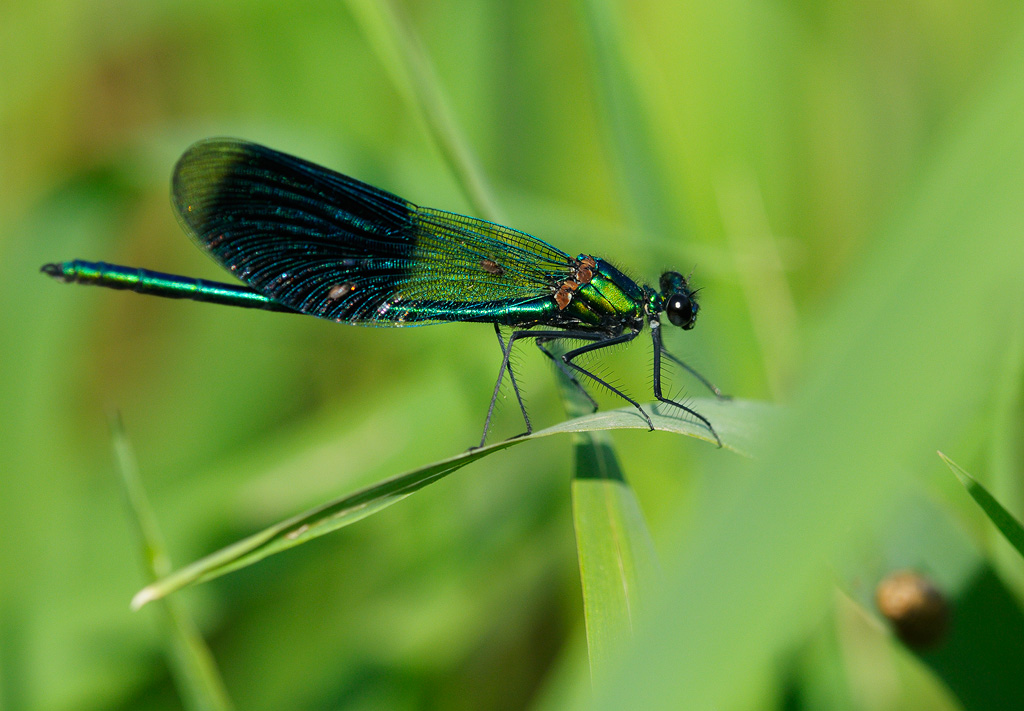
x=334 y=247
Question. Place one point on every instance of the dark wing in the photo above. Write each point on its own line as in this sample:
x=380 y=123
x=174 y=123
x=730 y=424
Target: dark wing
x=327 y=245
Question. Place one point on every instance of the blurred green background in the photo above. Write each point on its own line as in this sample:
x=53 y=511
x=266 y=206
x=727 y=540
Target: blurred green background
x=826 y=169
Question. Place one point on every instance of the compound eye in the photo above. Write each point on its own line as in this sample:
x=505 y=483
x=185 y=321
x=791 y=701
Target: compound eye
x=681 y=311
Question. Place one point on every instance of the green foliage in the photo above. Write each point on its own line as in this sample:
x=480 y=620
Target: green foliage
x=843 y=178
x=332 y=515
x=999 y=516
x=195 y=670
x=616 y=554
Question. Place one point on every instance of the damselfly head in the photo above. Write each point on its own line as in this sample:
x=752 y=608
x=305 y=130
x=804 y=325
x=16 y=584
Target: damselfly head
x=681 y=305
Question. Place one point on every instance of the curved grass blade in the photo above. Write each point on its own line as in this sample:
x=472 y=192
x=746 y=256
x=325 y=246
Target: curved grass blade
x=308 y=525
x=741 y=424
x=192 y=665
x=1009 y=526
x=736 y=422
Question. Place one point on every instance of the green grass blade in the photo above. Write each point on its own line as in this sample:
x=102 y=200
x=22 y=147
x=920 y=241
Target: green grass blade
x=1009 y=526
x=308 y=525
x=879 y=382
x=193 y=666
x=1006 y=455
x=613 y=546
x=616 y=554
x=639 y=163
x=742 y=424
x=735 y=421
x=402 y=52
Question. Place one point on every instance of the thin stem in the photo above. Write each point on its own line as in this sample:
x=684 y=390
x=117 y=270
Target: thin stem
x=400 y=49
x=192 y=664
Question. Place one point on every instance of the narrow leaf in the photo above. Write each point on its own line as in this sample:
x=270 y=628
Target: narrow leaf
x=639 y=164
x=1006 y=451
x=308 y=525
x=192 y=665
x=400 y=49
x=735 y=421
x=614 y=548
x=1003 y=519
x=616 y=554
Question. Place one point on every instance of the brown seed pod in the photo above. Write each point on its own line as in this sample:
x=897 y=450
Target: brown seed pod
x=918 y=611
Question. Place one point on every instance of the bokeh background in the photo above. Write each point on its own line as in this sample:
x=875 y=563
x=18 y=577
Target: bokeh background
x=790 y=153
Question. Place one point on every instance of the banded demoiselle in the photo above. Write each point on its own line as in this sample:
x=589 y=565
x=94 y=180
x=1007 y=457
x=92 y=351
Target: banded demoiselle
x=305 y=239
